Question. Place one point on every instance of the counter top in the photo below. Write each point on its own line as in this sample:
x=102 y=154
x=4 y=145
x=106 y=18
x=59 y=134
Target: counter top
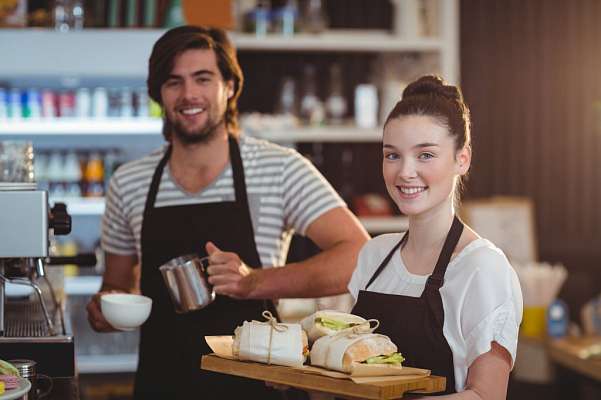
x=582 y=355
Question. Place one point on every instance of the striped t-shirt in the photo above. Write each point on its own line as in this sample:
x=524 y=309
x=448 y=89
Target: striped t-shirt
x=286 y=193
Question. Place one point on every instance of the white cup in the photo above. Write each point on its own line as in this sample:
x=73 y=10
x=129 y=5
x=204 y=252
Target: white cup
x=125 y=311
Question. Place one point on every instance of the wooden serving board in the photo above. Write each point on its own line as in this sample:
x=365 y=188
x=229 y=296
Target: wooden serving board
x=388 y=389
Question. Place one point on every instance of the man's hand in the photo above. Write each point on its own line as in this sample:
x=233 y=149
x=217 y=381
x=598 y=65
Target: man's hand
x=229 y=275
x=95 y=317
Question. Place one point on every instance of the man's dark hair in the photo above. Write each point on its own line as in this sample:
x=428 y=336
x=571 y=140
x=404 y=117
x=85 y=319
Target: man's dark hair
x=176 y=41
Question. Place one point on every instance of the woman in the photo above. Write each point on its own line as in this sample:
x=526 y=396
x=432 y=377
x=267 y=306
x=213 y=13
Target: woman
x=448 y=298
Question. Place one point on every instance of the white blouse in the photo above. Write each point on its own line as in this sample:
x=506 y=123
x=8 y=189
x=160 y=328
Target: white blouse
x=481 y=296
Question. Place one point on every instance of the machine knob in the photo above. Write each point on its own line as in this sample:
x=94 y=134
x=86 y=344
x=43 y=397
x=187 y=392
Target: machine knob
x=60 y=220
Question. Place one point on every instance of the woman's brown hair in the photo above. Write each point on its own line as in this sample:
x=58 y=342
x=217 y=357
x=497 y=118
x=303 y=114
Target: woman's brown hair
x=431 y=96
x=176 y=41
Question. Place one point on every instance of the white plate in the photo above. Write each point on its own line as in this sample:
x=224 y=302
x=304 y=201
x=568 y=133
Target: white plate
x=22 y=389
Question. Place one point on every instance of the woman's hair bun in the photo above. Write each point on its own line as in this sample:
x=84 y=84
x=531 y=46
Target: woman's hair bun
x=432 y=85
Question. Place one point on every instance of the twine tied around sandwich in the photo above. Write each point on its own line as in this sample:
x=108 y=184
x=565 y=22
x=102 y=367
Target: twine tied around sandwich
x=361 y=328
x=274 y=326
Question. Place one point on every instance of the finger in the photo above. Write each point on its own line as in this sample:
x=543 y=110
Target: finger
x=226 y=267
x=211 y=248
x=223 y=279
x=228 y=289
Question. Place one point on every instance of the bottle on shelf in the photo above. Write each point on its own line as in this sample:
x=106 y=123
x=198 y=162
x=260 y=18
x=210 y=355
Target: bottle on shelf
x=77 y=14
x=127 y=106
x=83 y=103
x=314 y=19
x=285 y=18
x=100 y=103
x=175 y=14
x=258 y=18
x=94 y=176
x=287 y=98
x=72 y=175
x=66 y=100
x=54 y=175
x=312 y=111
x=335 y=102
x=34 y=103
x=14 y=104
x=48 y=104
x=141 y=103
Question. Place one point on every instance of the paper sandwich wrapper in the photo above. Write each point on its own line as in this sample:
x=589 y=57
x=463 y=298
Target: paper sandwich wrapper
x=284 y=342
x=222 y=346
x=261 y=342
x=315 y=331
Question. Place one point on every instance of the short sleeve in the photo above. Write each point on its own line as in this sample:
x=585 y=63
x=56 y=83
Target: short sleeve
x=306 y=193
x=117 y=236
x=492 y=309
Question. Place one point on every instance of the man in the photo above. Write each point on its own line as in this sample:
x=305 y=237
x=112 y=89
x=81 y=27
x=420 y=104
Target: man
x=212 y=192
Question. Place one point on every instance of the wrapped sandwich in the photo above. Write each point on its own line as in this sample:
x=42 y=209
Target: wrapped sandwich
x=329 y=322
x=342 y=352
x=271 y=342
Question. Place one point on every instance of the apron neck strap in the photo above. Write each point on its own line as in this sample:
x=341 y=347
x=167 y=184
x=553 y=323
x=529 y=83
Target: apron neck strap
x=156 y=180
x=385 y=262
x=435 y=280
x=237 y=171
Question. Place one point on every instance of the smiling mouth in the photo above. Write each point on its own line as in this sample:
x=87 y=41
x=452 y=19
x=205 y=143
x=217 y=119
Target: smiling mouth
x=191 y=111
x=411 y=190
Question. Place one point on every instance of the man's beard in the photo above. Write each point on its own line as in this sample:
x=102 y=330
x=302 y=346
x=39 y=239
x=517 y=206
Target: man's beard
x=202 y=135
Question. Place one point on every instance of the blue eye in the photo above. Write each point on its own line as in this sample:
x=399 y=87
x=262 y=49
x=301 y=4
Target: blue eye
x=391 y=156
x=426 y=156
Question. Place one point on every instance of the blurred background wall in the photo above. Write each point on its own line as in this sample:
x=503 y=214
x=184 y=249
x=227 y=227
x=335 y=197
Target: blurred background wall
x=531 y=73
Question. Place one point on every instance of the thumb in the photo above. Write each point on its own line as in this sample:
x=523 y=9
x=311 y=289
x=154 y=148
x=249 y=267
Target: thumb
x=211 y=248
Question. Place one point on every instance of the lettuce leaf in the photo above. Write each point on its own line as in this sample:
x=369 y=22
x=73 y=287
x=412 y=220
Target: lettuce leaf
x=394 y=359
x=334 y=324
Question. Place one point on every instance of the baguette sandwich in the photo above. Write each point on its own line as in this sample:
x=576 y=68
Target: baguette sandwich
x=326 y=322
x=284 y=344
x=341 y=352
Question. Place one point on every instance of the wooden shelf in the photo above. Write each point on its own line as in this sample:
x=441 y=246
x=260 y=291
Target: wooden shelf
x=124 y=52
x=74 y=126
x=337 y=40
x=153 y=126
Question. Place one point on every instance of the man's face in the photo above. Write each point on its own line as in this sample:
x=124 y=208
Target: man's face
x=195 y=96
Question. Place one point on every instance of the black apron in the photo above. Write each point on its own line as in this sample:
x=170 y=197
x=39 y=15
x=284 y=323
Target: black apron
x=171 y=345
x=415 y=324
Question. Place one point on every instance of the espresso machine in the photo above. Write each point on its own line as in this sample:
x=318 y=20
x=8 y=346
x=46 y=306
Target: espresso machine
x=33 y=326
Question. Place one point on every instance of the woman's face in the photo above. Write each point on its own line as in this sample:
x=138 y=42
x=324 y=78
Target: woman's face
x=420 y=164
